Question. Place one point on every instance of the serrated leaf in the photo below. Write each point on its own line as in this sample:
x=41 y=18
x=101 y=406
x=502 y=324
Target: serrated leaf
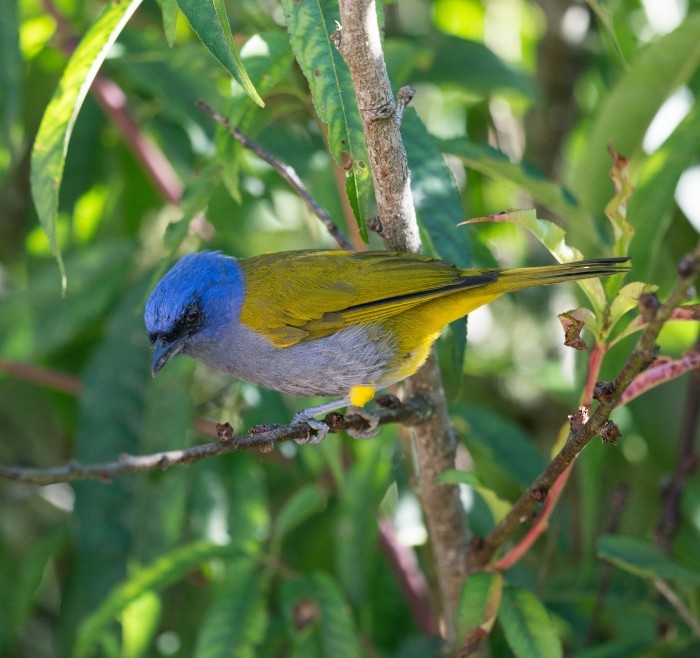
x=553 y=238
x=527 y=625
x=51 y=143
x=630 y=106
x=643 y=559
x=616 y=209
x=318 y=616
x=236 y=622
x=303 y=504
x=209 y=20
x=573 y=323
x=310 y=23
x=479 y=602
x=555 y=197
x=166 y=570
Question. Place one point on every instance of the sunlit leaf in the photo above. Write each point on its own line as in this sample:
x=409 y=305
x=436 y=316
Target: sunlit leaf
x=209 y=20
x=478 y=606
x=553 y=196
x=527 y=625
x=51 y=143
x=310 y=24
x=652 y=205
x=163 y=572
x=629 y=107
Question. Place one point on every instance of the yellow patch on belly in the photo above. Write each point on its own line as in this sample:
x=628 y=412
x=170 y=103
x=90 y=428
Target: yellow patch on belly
x=361 y=395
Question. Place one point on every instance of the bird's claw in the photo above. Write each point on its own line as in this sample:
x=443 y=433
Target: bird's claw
x=372 y=420
x=320 y=430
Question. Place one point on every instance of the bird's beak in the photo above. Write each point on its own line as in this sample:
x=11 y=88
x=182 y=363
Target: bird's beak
x=163 y=352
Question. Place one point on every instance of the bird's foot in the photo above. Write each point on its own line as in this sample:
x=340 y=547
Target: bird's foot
x=372 y=420
x=319 y=429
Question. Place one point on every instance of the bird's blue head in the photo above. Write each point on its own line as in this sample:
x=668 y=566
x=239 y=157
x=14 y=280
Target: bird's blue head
x=192 y=304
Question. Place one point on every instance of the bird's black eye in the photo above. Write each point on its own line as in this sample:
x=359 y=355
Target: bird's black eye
x=192 y=315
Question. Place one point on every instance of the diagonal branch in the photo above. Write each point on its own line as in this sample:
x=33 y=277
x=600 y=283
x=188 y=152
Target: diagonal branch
x=286 y=171
x=583 y=428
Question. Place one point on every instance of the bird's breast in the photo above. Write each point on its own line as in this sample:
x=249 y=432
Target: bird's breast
x=362 y=355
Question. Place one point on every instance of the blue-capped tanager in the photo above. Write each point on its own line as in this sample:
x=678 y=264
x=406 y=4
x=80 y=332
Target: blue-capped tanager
x=323 y=322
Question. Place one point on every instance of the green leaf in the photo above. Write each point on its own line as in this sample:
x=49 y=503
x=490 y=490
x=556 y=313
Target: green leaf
x=209 y=21
x=165 y=571
x=267 y=59
x=652 y=204
x=626 y=300
x=236 y=623
x=36 y=322
x=630 y=106
x=170 y=12
x=458 y=63
x=310 y=23
x=51 y=143
x=435 y=194
x=499 y=441
x=554 y=197
x=110 y=422
x=527 y=625
x=605 y=16
x=318 y=618
x=158 y=508
x=356 y=528
x=139 y=622
x=479 y=603
x=303 y=504
x=643 y=559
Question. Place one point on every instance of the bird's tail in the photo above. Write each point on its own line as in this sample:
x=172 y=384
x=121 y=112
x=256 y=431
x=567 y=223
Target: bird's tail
x=530 y=277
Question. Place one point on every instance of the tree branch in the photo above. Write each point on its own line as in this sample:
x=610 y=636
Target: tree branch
x=286 y=171
x=264 y=437
x=584 y=428
x=360 y=46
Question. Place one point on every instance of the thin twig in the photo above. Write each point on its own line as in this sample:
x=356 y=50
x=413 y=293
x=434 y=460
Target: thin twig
x=263 y=437
x=679 y=605
x=583 y=429
x=286 y=171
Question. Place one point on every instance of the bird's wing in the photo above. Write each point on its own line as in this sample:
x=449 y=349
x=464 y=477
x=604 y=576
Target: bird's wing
x=304 y=295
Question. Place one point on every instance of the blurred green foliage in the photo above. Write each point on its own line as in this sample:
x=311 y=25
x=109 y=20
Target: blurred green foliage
x=281 y=554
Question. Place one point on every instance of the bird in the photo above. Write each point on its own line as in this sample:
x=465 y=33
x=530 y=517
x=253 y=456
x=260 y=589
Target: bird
x=322 y=322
